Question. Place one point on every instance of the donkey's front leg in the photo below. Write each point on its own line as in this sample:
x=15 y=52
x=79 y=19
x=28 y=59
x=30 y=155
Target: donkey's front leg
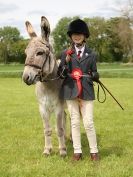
x=47 y=130
x=61 y=132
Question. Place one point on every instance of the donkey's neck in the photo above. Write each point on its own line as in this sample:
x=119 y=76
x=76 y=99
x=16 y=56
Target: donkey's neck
x=54 y=73
x=55 y=69
x=53 y=82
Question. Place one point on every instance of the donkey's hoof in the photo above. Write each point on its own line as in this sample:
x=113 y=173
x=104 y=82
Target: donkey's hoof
x=47 y=152
x=63 y=152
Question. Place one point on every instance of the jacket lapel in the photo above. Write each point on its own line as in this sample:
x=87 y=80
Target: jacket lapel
x=87 y=52
x=74 y=56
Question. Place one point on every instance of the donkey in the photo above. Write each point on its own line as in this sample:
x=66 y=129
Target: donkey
x=41 y=69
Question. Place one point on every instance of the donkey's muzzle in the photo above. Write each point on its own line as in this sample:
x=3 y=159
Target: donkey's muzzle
x=30 y=79
x=27 y=79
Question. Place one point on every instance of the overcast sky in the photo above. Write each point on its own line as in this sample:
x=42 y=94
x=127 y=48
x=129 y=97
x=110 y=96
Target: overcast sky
x=16 y=12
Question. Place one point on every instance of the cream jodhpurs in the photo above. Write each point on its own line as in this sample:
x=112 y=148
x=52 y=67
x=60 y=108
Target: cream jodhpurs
x=84 y=108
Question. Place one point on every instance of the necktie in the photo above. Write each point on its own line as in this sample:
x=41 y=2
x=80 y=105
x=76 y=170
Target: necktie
x=79 y=52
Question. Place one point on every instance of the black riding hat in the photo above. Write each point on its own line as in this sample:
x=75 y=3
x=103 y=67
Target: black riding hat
x=78 y=26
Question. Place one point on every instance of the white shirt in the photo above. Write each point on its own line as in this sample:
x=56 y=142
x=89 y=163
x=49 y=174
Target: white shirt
x=81 y=49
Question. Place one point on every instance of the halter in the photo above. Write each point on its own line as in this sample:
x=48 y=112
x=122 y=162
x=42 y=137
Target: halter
x=40 y=72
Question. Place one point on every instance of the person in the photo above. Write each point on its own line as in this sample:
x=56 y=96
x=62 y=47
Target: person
x=78 y=69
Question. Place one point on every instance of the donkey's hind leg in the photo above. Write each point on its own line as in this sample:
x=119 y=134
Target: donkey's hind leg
x=47 y=130
x=61 y=132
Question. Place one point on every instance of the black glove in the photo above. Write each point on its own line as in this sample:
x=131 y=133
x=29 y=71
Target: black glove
x=95 y=76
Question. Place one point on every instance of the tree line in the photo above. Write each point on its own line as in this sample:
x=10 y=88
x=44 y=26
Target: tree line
x=12 y=45
x=111 y=39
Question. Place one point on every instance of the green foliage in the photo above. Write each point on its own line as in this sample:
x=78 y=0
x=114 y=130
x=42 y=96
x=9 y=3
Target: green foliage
x=16 y=52
x=3 y=52
x=21 y=132
x=61 y=40
x=8 y=33
x=111 y=39
x=97 y=38
x=12 y=45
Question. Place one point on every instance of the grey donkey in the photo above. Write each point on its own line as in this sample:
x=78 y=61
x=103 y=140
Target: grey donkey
x=41 y=69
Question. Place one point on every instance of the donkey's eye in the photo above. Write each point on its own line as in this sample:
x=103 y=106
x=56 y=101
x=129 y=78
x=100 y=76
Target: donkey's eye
x=39 y=53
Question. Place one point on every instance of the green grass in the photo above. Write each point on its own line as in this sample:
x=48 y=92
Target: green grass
x=11 y=67
x=114 y=65
x=115 y=70
x=106 y=70
x=21 y=135
x=11 y=70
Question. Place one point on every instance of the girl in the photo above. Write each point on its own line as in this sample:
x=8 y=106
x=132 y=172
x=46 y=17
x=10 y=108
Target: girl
x=78 y=69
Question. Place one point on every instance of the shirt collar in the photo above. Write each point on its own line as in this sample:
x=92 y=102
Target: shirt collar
x=81 y=49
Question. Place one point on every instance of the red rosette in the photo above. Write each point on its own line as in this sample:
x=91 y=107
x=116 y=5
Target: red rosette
x=77 y=74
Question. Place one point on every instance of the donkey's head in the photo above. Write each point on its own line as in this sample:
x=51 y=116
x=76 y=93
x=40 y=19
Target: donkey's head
x=39 y=57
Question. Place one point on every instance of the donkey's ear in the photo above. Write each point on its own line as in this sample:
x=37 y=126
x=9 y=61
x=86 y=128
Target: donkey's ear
x=30 y=29
x=45 y=28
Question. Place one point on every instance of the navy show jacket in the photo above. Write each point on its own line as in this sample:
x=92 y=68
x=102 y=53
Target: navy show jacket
x=87 y=63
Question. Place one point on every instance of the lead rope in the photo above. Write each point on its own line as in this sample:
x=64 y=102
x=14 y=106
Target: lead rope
x=98 y=93
x=53 y=79
x=68 y=57
x=105 y=88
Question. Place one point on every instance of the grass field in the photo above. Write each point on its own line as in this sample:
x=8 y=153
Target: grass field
x=106 y=70
x=21 y=135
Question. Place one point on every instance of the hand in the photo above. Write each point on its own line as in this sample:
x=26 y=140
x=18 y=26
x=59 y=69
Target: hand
x=95 y=76
x=69 y=52
x=68 y=58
